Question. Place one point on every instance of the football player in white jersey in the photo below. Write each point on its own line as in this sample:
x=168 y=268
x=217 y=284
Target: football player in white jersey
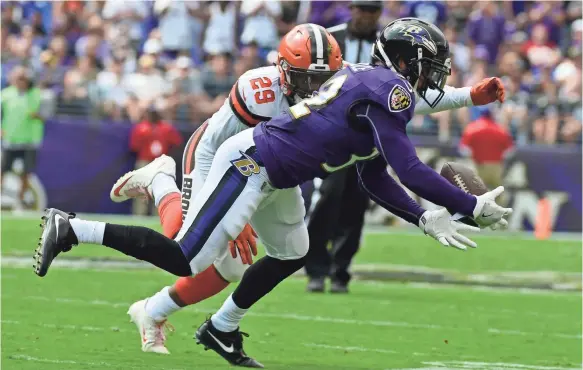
x=258 y=95
x=307 y=56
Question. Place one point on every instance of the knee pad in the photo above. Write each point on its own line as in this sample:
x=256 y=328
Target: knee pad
x=231 y=269
x=298 y=242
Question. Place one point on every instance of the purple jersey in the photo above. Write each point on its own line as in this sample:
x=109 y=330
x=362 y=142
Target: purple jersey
x=358 y=117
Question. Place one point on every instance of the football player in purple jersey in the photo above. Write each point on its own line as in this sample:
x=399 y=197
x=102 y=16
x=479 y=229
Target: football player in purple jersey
x=358 y=117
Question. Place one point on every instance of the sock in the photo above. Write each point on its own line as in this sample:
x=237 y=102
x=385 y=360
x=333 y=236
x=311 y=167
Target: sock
x=163 y=184
x=194 y=289
x=147 y=245
x=160 y=305
x=261 y=277
x=170 y=211
x=88 y=231
x=228 y=316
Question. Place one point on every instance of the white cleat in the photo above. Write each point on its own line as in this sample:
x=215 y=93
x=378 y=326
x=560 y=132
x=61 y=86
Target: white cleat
x=138 y=183
x=151 y=331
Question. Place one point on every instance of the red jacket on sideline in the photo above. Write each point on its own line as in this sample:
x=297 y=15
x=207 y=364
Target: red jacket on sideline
x=487 y=140
x=151 y=140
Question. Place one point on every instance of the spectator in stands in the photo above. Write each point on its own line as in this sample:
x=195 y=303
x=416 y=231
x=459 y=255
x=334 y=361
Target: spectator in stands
x=249 y=58
x=7 y=16
x=221 y=34
x=144 y=87
x=217 y=79
x=430 y=11
x=121 y=50
x=296 y=12
x=461 y=53
x=22 y=126
x=261 y=23
x=572 y=125
x=60 y=51
x=128 y=16
x=486 y=27
x=93 y=44
x=153 y=47
x=514 y=111
x=550 y=15
x=110 y=95
x=40 y=17
x=77 y=82
x=175 y=25
x=149 y=139
x=187 y=89
x=488 y=144
x=50 y=71
x=539 y=50
x=328 y=13
x=23 y=46
x=69 y=27
x=576 y=34
x=543 y=101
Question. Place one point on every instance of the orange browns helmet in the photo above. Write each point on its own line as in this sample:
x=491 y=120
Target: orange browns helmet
x=308 y=56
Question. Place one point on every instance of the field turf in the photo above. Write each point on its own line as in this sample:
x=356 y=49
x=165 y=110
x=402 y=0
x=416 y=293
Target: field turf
x=76 y=318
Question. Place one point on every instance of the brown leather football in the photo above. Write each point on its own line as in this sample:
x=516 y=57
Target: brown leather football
x=464 y=178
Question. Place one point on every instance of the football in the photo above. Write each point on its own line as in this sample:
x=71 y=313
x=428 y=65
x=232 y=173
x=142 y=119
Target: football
x=464 y=178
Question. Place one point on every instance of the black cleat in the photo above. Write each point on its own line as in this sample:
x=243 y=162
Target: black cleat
x=228 y=345
x=57 y=236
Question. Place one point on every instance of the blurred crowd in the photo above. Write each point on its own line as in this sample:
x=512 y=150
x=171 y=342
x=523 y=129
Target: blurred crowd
x=114 y=60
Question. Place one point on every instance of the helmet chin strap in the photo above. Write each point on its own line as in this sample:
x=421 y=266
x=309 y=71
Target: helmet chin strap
x=419 y=68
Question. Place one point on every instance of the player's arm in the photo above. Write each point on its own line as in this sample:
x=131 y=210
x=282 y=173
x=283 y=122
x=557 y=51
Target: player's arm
x=484 y=92
x=386 y=192
x=388 y=129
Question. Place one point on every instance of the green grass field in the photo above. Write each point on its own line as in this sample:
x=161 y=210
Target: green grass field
x=76 y=319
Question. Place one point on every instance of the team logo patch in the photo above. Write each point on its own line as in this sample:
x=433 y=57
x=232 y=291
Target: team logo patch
x=246 y=165
x=399 y=99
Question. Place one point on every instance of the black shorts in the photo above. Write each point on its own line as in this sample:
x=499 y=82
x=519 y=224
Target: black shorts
x=28 y=156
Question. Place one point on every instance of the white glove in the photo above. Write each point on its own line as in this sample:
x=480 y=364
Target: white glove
x=488 y=213
x=502 y=224
x=442 y=228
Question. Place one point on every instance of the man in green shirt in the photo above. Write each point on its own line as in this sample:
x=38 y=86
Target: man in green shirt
x=22 y=126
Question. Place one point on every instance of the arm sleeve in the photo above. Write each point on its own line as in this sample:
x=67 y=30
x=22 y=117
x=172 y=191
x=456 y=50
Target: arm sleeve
x=397 y=150
x=386 y=192
x=454 y=98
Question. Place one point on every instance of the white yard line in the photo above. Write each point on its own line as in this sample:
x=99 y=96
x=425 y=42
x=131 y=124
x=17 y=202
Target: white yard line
x=489 y=366
x=78 y=363
x=437 y=365
x=327 y=319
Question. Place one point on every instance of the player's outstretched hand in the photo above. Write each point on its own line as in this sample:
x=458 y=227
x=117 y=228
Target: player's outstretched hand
x=488 y=213
x=244 y=245
x=439 y=226
x=488 y=91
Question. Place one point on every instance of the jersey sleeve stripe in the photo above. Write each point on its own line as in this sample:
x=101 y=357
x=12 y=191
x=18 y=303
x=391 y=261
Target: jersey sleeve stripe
x=241 y=110
x=190 y=149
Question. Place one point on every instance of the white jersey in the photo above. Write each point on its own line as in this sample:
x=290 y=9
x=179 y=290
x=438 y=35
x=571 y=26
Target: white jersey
x=254 y=98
